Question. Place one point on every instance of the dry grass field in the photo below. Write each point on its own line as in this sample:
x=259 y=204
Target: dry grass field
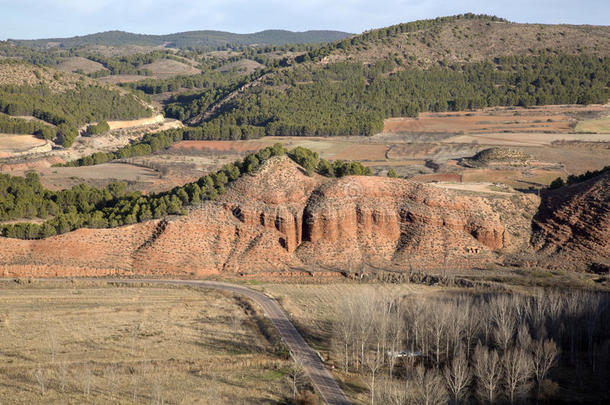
x=164 y=68
x=63 y=342
x=15 y=143
x=598 y=126
x=75 y=63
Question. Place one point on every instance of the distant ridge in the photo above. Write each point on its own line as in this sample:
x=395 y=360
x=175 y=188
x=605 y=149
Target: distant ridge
x=189 y=39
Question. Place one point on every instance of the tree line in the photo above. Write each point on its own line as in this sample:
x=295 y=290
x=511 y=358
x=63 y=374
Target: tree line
x=491 y=348
x=578 y=178
x=11 y=125
x=84 y=206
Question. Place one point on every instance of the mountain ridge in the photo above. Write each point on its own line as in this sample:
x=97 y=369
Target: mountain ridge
x=195 y=39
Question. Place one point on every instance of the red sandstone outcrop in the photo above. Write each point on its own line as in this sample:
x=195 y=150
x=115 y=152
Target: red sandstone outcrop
x=572 y=227
x=280 y=219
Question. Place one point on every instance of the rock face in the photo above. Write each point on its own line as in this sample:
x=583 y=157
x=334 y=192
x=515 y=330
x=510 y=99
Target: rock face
x=279 y=219
x=572 y=227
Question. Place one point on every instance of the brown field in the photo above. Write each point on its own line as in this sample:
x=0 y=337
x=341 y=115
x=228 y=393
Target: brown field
x=79 y=63
x=115 y=79
x=143 y=178
x=164 y=68
x=515 y=178
x=63 y=342
x=598 y=126
x=246 y=66
x=157 y=119
x=17 y=143
x=525 y=139
x=545 y=119
x=221 y=146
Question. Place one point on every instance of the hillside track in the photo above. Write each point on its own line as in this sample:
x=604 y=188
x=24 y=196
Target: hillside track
x=320 y=376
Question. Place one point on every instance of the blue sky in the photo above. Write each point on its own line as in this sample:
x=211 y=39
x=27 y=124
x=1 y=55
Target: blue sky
x=25 y=19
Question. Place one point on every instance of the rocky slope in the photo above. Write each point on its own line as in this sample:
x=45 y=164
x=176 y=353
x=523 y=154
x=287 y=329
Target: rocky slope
x=280 y=219
x=572 y=227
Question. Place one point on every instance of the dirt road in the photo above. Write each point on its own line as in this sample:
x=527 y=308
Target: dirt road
x=322 y=379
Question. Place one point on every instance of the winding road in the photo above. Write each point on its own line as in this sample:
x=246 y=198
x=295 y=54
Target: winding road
x=322 y=379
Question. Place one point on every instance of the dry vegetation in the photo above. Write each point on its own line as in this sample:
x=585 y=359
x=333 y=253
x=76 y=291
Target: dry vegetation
x=64 y=342
x=164 y=68
x=75 y=63
x=453 y=42
x=458 y=344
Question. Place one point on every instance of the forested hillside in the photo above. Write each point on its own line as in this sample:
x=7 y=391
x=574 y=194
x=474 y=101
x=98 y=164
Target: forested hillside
x=83 y=206
x=63 y=100
x=190 y=39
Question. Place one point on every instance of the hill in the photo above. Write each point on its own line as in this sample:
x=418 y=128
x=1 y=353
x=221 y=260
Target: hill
x=274 y=219
x=447 y=64
x=189 y=39
x=573 y=224
x=64 y=100
x=466 y=38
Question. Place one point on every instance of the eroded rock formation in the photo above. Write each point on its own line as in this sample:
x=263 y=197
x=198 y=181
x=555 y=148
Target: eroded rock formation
x=280 y=219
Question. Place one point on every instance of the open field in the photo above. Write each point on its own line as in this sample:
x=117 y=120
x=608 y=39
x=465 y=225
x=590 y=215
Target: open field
x=63 y=342
x=546 y=119
x=599 y=125
x=164 y=68
x=11 y=144
x=525 y=139
x=157 y=119
x=75 y=63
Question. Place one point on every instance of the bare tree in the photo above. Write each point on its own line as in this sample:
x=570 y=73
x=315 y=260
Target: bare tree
x=488 y=372
x=391 y=392
x=458 y=377
x=544 y=356
x=430 y=389
x=517 y=364
x=374 y=362
x=297 y=378
x=503 y=317
x=344 y=330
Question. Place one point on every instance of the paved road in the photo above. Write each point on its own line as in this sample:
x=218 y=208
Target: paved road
x=322 y=379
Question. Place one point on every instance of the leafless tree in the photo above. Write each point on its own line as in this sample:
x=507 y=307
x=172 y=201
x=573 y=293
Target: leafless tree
x=374 y=362
x=391 y=392
x=429 y=387
x=458 y=377
x=344 y=329
x=488 y=372
x=517 y=365
x=503 y=317
x=297 y=378
x=544 y=356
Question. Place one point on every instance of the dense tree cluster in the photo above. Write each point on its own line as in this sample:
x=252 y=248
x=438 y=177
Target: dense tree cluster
x=129 y=64
x=70 y=109
x=11 y=125
x=99 y=128
x=311 y=162
x=83 y=206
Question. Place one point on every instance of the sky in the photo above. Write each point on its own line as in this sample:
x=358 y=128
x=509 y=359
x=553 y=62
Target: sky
x=29 y=19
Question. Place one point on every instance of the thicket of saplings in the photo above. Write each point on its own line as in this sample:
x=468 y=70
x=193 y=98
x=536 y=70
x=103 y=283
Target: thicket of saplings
x=552 y=346
x=84 y=206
